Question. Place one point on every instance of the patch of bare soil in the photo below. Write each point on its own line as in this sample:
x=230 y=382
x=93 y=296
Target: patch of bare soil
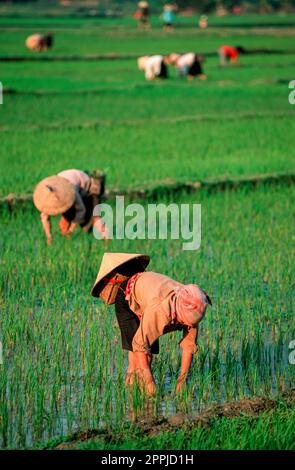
x=81 y=437
x=152 y=425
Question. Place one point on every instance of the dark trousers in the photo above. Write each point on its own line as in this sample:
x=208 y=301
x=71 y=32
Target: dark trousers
x=90 y=201
x=128 y=321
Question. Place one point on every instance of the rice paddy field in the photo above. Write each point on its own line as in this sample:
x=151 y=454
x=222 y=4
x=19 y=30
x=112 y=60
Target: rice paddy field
x=62 y=367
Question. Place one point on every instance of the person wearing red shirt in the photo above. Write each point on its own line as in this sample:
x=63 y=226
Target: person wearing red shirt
x=229 y=54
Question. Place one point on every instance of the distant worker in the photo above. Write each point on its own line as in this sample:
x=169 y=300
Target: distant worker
x=39 y=42
x=229 y=54
x=149 y=305
x=154 y=66
x=142 y=14
x=169 y=14
x=188 y=65
x=73 y=194
x=203 y=22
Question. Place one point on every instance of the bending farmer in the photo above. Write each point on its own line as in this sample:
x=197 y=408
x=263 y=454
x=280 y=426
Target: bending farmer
x=188 y=65
x=149 y=305
x=39 y=42
x=154 y=66
x=72 y=194
x=229 y=54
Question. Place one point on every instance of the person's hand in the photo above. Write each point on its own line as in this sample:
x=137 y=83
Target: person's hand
x=64 y=226
x=66 y=233
x=180 y=386
x=181 y=382
x=49 y=241
x=151 y=389
x=105 y=235
x=202 y=76
x=146 y=379
x=104 y=232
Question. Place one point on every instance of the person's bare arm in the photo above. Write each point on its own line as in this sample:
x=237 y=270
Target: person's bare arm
x=72 y=228
x=45 y=219
x=186 y=360
x=189 y=348
x=151 y=327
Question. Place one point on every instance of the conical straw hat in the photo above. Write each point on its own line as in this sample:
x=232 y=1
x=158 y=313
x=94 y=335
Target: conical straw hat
x=54 y=195
x=104 y=286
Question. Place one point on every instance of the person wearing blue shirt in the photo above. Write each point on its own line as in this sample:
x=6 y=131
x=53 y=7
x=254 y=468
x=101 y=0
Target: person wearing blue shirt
x=169 y=16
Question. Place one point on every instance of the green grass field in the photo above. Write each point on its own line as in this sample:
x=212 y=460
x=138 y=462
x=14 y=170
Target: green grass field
x=61 y=348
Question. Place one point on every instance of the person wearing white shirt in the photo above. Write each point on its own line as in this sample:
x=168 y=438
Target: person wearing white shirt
x=188 y=65
x=154 y=66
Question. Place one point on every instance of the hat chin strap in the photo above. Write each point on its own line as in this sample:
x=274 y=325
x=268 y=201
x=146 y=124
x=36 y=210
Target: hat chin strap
x=115 y=281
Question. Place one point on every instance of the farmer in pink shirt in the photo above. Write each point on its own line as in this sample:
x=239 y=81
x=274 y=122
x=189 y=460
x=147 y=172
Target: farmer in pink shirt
x=73 y=194
x=149 y=305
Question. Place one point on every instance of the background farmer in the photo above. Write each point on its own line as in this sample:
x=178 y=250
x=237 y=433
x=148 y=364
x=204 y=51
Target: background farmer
x=74 y=194
x=39 y=42
x=229 y=54
x=188 y=65
x=154 y=66
x=203 y=22
x=149 y=305
x=168 y=15
x=142 y=14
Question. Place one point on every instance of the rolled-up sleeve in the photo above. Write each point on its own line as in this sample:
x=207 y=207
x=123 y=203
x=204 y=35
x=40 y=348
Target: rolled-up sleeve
x=80 y=209
x=189 y=340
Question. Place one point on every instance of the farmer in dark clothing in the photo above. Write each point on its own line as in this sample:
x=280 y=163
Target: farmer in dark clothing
x=230 y=54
